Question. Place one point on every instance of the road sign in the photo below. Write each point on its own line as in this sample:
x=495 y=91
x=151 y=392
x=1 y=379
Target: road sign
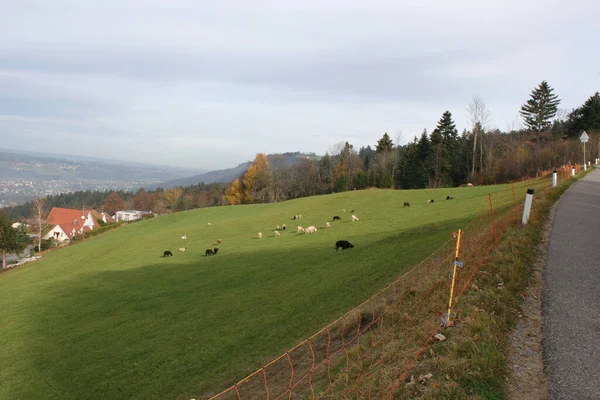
x=584 y=137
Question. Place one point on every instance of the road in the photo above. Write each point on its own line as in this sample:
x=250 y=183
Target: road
x=571 y=297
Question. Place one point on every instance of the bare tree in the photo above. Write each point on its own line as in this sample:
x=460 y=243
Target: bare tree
x=39 y=216
x=479 y=116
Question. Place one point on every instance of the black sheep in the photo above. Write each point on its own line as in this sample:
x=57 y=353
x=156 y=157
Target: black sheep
x=215 y=250
x=344 y=244
x=406 y=204
x=336 y=218
x=167 y=253
x=209 y=252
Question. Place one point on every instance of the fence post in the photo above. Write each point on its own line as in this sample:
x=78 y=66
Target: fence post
x=572 y=171
x=554 y=178
x=454 y=266
x=513 y=189
x=527 y=208
x=493 y=219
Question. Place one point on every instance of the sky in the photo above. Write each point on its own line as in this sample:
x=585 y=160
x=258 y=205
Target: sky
x=207 y=84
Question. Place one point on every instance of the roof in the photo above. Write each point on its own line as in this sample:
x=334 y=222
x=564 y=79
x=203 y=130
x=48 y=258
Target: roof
x=60 y=216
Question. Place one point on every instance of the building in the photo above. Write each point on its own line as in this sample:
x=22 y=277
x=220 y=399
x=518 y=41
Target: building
x=66 y=223
x=130 y=215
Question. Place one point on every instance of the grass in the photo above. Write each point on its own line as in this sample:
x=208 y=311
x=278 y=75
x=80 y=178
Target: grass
x=110 y=318
x=471 y=364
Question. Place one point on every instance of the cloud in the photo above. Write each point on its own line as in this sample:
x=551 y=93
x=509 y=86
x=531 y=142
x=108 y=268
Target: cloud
x=208 y=84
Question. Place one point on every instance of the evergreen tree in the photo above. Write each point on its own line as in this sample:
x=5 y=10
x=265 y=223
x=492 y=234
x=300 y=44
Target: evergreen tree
x=586 y=118
x=11 y=239
x=539 y=110
x=384 y=144
x=444 y=141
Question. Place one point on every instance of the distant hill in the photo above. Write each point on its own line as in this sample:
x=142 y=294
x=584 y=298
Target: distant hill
x=229 y=174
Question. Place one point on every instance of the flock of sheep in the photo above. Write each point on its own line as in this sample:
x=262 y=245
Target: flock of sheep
x=343 y=244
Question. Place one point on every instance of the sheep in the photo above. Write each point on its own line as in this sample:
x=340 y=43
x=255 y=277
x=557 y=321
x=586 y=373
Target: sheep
x=209 y=224
x=260 y=235
x=300 y=229
x=344 y=244
x=336 y=218
x=295 y=217
x=327 y=225
x=283 y=227
x=209 y=252
x=219 y=241
x=351 y=210
x=299 y=216
x=277 y=228
x=277 y=233
x=469 y=184
x=167 y=253
x=184 y=237
x=215 y=250
x=354 y=218
x=429 y=201
x=406 y=204
x=311 y=229
x=182 y=248
x=449 y=197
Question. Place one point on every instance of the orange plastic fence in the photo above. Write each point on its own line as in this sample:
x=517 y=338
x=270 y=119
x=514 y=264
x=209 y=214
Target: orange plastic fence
x=368 y=353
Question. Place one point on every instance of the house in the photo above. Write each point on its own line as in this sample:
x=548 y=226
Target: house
x=130 y=215
x=102 y=216
x=66 y=223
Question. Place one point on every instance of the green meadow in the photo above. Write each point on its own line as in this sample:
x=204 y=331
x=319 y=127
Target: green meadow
x=111 y=318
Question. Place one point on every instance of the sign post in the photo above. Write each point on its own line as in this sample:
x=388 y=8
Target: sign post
x=584 y=138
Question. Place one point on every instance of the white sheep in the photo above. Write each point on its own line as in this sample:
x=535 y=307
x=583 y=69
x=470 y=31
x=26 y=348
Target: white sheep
x=311 y=229
x=260 y=235
x=354 y=218
x=277 y=233
x=182 y=248
x=469 y=184
x=277 y=228
x=299 y=216
x=300 y=229
x=209 y=224
x=327 y=225
x=184 y=237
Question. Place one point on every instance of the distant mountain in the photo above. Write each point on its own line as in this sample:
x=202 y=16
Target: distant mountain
x=228 y=175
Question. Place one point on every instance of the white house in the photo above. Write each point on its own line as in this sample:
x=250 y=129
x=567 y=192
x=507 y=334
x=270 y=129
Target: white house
x=130 y=215
x=67 y=222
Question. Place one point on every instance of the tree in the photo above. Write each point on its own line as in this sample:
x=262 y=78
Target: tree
x=142 y=200
x=384 y=144
x=444 y=141
x=39 y=216
x=11 y=239
x=234 y=194
x=586 y=118
x=113 y=203
x=171 y=197
x=479 y=117
x=539 y=110
x=257 y=180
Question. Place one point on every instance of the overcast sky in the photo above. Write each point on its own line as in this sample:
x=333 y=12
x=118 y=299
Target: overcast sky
x=208 y=84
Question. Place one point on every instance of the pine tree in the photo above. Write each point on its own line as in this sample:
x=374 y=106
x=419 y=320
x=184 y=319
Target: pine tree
x=539 y=110
x=586 y=118
x=11 y=240
x=444 y=141
x=384 y=144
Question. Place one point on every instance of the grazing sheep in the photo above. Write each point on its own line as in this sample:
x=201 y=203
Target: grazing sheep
x=283 y=227
x=295 y=217
x=354 y=218
x=430 y=201
x=277 y=228
x=260 y=235
x=299 y=216
x=184 y=237
x=167 y=253
x=406 y=204
x=182 y=248
x=449 y=197
x=300 y=229
x=209 y=224
x=327 y=225
x=277 y=233
x=215 y=250
x=336 y=218
x=219 y=241
x=344 y=244
x=209 y=252
x=469 y=184
x=311 y=229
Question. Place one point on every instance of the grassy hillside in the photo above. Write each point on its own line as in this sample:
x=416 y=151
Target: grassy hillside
x=111 y=318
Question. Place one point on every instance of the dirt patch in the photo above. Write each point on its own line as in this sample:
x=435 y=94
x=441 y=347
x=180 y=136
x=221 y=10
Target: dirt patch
x=527 y=379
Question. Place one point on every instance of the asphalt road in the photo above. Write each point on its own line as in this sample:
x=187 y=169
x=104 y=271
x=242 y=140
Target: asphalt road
x=571 y=299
